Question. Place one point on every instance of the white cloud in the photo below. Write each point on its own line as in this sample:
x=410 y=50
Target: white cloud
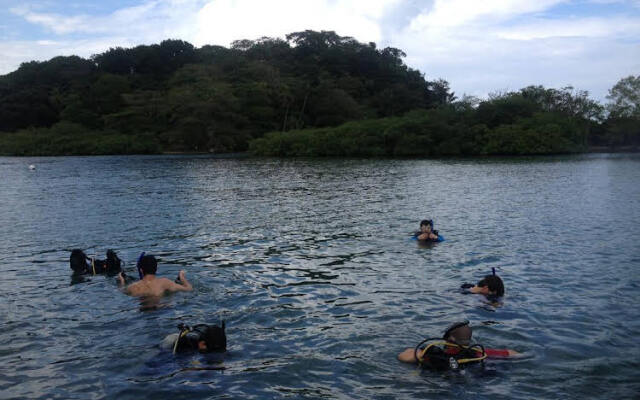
x=456 y=13
x=13 y=53
x=478 y=46
x=223 y=21
x=579 y=27
x=150 y=20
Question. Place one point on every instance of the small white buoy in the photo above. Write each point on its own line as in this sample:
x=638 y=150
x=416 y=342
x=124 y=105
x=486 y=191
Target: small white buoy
x=32 y=167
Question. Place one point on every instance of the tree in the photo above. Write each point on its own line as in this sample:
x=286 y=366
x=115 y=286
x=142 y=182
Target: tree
x=567 y=101
x=624 y=98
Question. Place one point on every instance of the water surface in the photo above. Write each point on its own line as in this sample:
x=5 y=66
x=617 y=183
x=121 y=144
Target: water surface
x=310 y=264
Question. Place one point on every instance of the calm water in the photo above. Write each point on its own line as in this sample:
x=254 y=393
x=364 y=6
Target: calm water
x=310 y=264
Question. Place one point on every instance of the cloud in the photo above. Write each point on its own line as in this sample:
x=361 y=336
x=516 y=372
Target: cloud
x=15 y=52
x=223 y=21
x=149 y=20
x=575 y=27
x=478 y=46
x=457 y=13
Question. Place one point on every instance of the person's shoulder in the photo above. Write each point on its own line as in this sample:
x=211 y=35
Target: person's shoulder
x=134 y=289
x=132 y=286
x=164 y=281
x=166 y=284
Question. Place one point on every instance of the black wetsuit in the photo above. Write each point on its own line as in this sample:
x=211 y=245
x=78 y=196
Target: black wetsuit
x=83 y=265
x=189 y=342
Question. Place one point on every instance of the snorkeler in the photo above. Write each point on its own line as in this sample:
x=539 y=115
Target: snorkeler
x=83 y=265
x=427 y=233
x=202 y=338
x=149 y=285
x=454 y=350
x=490 y=286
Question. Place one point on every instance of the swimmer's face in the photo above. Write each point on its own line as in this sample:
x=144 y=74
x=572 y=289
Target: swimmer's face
x=482 y=288
x=202 y=346
x=425 y=228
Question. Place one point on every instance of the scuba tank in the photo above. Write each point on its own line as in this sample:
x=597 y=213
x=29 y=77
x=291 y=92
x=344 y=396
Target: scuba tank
x=442 y=355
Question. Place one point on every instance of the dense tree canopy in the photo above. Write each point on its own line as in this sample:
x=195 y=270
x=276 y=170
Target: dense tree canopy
x=174 y=97
x=625 y=98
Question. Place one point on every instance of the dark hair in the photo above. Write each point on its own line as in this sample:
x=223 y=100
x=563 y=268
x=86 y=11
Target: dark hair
x=78 y=261
x=215 y=338
x=459 y=333
x=148 y=265
x=427 y=222
x=494 y=283
x=113 y=262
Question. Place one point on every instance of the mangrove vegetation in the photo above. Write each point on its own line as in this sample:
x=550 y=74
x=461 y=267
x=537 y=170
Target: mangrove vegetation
x=313 y=94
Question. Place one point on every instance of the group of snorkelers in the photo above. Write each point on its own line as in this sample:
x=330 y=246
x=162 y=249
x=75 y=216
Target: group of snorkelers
x=453 y=350
x=203 y=338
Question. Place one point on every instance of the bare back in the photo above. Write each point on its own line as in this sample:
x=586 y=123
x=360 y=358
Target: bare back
x=156 y=287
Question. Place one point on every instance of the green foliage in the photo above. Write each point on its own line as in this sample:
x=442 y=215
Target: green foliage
x=67 y=138
x=437 y=132
x=214 y=98
x=622 y=126
x=624 y=98
x=173 y=97
x=567 y=101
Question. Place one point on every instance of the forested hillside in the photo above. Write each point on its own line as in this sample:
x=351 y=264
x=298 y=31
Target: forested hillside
x=173 y=97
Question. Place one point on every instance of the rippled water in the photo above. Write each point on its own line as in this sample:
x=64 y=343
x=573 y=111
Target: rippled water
x=310 y=264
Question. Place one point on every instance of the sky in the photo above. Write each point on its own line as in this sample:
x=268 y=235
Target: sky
x=479 y=46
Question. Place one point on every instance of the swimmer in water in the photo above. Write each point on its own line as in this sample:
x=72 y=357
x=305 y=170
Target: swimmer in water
x=426 y=232
x=202 y=338
x=149 y=285
x=490 y=286
x=454 y=349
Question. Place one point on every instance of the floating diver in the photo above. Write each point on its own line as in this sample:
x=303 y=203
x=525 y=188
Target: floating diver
x=490 y=286
x=427 y=233
x=83 y=265
x=453 y=351
x=202 y=338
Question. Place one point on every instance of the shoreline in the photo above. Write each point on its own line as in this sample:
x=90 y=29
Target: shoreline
x=590 y=150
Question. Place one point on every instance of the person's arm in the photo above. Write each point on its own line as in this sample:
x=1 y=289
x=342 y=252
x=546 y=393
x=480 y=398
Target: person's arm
x=184 y=284
x=408 y=356
x=122 y=283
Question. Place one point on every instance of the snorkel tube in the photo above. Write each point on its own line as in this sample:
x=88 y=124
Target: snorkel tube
x=138 y=265
x=184 y=329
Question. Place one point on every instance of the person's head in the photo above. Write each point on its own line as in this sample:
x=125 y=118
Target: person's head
x=458 y=333
x=492 y=284
x=78 y=261
x=148 y=265
x=213 y=338
x=113 y=262
x=426 y=225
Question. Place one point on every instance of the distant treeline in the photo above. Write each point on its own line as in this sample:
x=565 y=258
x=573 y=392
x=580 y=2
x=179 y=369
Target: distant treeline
x=316 y=93
x=533 y=120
